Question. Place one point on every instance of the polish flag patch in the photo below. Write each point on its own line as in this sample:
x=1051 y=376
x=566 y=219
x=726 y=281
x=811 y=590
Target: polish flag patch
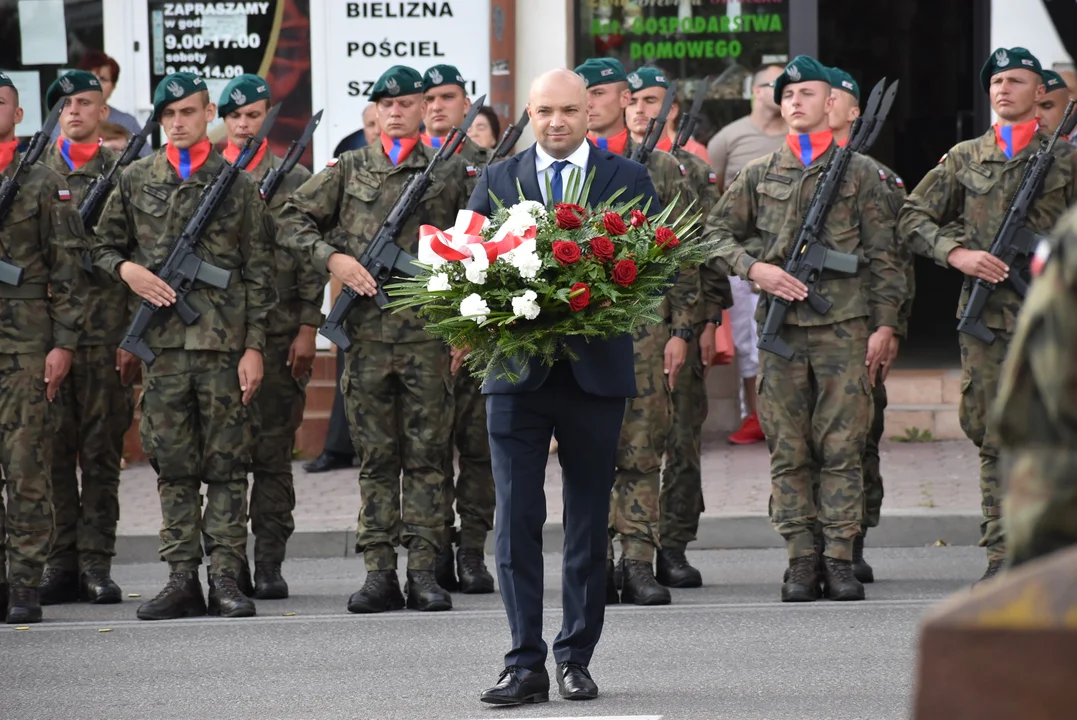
x=712 y=178
x=882 y=175
x=471 y=172
x=63 y=194
x=332 y=162
x=943 y=158
x=1040 y=258
x=683 y=171
x=899 y=181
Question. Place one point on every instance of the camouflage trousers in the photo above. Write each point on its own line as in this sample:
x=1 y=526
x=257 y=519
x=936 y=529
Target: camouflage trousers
x=814 y=411
x=682 y=487
x=97 y=411
x=195 y=429
x=277 y=412
x=400 y=411
x=474 y=488
x=28 y=423
x=873 y=479
x=1041 y=503
x=634 y=509
x=981 y=366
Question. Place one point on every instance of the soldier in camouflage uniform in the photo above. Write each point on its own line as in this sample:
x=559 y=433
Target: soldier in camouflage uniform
x=196 y=423
x=660 y=351
x=1034 y=411
x=447 y=103
x=397 y=381
x=40 y=322
x=973 y=183
x=289 y=349
x=98 y=406
x=1050 y=107
x=815 y=409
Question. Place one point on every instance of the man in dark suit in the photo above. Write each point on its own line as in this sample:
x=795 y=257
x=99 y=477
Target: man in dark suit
x=582 y=401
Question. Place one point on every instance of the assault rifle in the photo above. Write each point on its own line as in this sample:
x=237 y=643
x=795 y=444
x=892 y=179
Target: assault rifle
x=509 y=138
x=383 y=258
x=183 y=267
x=689 y=121
x=10 y=273
x=810 y=257
x=271 y=182
x=656 y=127
x=1014 y=241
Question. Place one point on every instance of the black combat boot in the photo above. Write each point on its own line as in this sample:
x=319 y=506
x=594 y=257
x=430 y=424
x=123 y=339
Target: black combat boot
x=820 y=568
x=425 y=594
x=444 y=570
x=675 y=571
x=58 y=586
x=181 y=597
x=612 y=597
x=861 y=570
x=640 y=587
x=97 y=586
x=380 y=592
x=801 y=581
x=839 y=583
x=475 y=579
x=226 y=599
x=3 y=595
x=993 y=569
x=23 y=605
x=269 y=584
x=243 y=580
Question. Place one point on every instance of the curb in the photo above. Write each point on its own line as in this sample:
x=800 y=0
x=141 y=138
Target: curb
x=908 y=528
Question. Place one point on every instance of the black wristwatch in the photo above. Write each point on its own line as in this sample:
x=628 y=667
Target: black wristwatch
x=684 y=334
x=715 y=320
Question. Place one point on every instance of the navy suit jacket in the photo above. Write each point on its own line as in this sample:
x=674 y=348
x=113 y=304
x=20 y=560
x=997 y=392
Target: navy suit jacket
x=604 y=367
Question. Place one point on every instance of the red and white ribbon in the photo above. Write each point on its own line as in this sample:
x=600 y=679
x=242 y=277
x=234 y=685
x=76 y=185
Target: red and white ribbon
x=463 y=242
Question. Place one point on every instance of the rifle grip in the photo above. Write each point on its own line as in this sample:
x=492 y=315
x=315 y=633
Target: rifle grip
x=819 y=303
x=334 y=332
x=138 y=347
x=187 y=313
x=976 y=328
x=774 y=344
x=1018 y=283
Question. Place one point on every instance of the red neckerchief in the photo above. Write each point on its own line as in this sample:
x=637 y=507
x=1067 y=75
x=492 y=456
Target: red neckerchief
x=1012 y=139
x=188 y=161
x=7 y=153
x=76 y=154
x=615 y=144
x=665 y=144
x=231 y=154
x=398 y=149
x=809 y=147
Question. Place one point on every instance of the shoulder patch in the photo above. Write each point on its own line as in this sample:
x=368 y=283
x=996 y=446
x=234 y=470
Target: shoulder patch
x=332 y=162
x=683 y=170
x=712 y=178
x=943 y=158
x=882 y=175
x=1040 y=258
x=471 y=171
x=63 y=195
x=898 y=181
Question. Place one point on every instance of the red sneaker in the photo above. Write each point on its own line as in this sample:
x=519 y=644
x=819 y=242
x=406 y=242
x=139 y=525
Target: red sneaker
x=749 y=432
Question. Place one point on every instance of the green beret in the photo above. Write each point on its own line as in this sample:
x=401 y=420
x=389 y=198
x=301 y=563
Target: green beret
x=1052 y=80
x=397 y=81
x=1015 y=58
x=443 y=75
x=647 y=77
x=844 y=81
x=5 y=81
x=802 y=69
x=601 y=71
x=244 y=90
x=71 y=83
x=175 y=87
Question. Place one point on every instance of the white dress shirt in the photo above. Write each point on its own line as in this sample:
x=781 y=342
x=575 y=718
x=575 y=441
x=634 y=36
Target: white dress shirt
x=577 y=161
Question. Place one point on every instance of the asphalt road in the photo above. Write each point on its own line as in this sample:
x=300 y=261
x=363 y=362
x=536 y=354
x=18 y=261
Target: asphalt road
x=728 y=650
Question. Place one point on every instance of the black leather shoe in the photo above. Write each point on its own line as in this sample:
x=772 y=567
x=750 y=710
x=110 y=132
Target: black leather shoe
x=575 y=683
x=839 y=583
x=425 y=594
x=444 y=570
x=58 y=587
x=380 y=593
x=861 y=570
x=674 y=570
x=993 y=569
x=23 y=606
x=269 y=584
x=97 y=586
x=180 y=598
x=227 y=600
x=640 y=587
x=801 y=582
x=475 y=579
x=518 y=686
x=329 y=461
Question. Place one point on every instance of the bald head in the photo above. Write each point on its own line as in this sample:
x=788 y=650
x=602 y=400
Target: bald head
x=558 y=110
x=560 y=81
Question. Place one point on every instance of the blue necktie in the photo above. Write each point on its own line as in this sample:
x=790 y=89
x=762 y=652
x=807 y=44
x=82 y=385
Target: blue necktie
x=556 y=184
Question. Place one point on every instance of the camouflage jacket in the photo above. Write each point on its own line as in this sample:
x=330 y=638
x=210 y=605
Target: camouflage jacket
x=895 y=199
x=341 y=208
x=105 y=303
x=715 y=294
x=758 y=217
x=300 y=288
x=144 y=215
x=474 y=154
x=973 y=184
x=43 y=235
x=670 y=179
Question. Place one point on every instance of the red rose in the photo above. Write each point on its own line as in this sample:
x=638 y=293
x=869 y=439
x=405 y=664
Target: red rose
x=566 y=218
x=614 y=223
x=664 y=238
x=579 y=302
x=566 y=252
x=581 y=211
x=624 y=273
x=638 y=219
x=602 y=248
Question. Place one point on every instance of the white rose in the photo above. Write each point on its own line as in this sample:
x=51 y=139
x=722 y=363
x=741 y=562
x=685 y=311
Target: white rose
x=439 y=282
x=525 y=305
x=474 y=308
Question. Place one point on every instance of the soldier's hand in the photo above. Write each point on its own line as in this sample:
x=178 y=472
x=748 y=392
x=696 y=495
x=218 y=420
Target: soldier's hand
x=891 y=355
x=250 y=374
x=127 y=365
x=458 y=356
x=980 y=264
x=352 y=273
x=675 y=355
x=57 y=366
x=147 y=285
x=879 y=352
x=707 y=347
x=301 y=353
x=777 y=281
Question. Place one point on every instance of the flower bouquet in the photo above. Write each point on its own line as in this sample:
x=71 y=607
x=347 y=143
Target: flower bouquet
x=514 y=285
